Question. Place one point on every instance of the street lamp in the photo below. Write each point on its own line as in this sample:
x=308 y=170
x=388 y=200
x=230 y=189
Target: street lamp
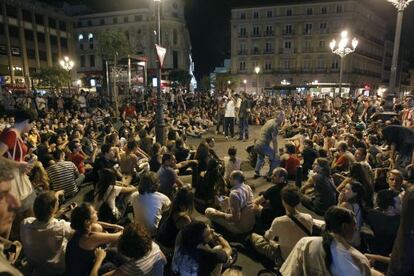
x=257 y=71
x=160 y=124
x=341 y=49
x=67 y=64
x=284 y=82
x=400 y=5
x=245 y=84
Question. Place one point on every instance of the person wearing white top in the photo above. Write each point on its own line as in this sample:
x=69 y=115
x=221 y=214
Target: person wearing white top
x=229 y=115
x=148 y=204
x=231 y=163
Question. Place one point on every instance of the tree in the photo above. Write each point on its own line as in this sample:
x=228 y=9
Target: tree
x=111 y=43
x=54 y=77
x=181 y=77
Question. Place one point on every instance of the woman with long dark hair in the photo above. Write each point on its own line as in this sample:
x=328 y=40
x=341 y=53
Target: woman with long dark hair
x=176 y=219
x=331 y=254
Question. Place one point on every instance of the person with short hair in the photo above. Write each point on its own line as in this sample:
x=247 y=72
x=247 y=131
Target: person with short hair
x=241 y=217
x=231 y=163
x=144 y=256
x=395 y=181
x=149 y=204
x=34 y=231
x=284 y=228
x=63 y=175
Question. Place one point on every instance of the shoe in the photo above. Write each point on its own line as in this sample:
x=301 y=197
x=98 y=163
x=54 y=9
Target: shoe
x=256 y=176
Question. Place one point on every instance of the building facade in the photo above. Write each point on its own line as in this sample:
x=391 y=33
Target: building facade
x=291 y=42
x=32 y=35
x=138 y=25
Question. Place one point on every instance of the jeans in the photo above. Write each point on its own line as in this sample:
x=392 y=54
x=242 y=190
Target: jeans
x=220 y=120
x=262 y=152
x=229 y=126
x=243 y=128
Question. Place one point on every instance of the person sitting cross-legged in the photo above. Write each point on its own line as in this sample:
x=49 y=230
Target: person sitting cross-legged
x=239 y=216
x=284 y=228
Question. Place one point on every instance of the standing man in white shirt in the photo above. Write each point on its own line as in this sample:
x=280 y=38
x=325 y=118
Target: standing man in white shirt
x=229 y=115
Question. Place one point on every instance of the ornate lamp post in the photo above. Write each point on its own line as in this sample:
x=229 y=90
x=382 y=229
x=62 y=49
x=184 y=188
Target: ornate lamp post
x=391 y=93
x=67 y=64
x=160 y=123
x=257 y=71
x=341 y=49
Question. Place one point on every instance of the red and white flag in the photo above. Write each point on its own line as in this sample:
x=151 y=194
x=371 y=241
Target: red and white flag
x=161 y=51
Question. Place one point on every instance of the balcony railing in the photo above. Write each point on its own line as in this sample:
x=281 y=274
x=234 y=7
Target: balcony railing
x=255 y=34
x=285 y=32
x=242 y=34
x=255 y=52
x=268 y=33
x=242 y=52
x=268 y=51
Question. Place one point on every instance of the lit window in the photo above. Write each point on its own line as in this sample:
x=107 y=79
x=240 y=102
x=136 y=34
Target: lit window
x=90 y=36
x=80 y=37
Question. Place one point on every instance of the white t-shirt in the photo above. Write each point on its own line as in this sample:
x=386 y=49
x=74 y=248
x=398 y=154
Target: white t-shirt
x=44 y=244
x=148 y=209
x=230 y=109
x=230 y=166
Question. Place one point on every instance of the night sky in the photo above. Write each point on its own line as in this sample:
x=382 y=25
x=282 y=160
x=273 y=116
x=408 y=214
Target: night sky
x=209 y=25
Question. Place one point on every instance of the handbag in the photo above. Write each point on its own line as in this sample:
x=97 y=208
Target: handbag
x=316 y=230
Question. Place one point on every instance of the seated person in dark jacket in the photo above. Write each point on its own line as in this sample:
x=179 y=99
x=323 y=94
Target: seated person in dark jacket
x=106 y=161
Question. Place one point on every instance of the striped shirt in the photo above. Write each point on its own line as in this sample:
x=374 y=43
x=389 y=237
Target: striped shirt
x=62 y=176
x=151 y=264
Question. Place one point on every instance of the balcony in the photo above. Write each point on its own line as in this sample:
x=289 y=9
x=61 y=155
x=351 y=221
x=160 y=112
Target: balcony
x=268 y=33
x=307 y=32
x=285 y=32
x=243 y=52
x=268 y=51
x=241 y=35
x=368 y=54
x=288 y=50
x=255 y=34
x=255 y=52
x=307 y=50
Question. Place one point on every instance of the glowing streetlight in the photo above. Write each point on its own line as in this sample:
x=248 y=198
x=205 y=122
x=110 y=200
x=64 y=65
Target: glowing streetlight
x=284 y=82
x=257 y=71
x=401 y=5
x=245 y=84
x=341 y=49
x=67 y=64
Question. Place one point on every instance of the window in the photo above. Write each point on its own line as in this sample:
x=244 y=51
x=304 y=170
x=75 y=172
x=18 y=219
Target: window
x=13 y=31
x=126 y=19
x=243 y=31
x=269 y=13
x=324 y=10
x=82 y=61
x=52 y=23
x=42 y=55
x=138 y=18
x=255 y=48
x=286 y=64
x=115 y=20
x=321 y=43
x=309 y=11
x=268 y=47
x=80 y=37
x=92 y=61
x=63 y=42
x=335 y=64
x=28 y=34
x=339 y=9
x=268 y=65
x=307 y=64
x=269 y=30
x=242 y=66
x=102 y=21
x=39 y=19
x=27 y=15
x=62 y=26
x=41 y=38
x=81 y=46
x=31 y=53
x=53 y=40
x=308 y=28
x=90 y=36
x=289 y=12
x=11 y=11
x=288 y=29
x=288 y=44
x=256 y=30
x=242 y=15
x=175 y=59
x=89 y=22
x=307 y=44
x=321 y=63
x=255 y=14
x=175 y=37
x=323 y=28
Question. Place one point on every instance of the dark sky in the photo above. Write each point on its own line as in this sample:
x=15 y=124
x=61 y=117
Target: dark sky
x=209 y=25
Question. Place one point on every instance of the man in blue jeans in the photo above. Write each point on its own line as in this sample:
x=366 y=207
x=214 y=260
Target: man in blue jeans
x=268 y=134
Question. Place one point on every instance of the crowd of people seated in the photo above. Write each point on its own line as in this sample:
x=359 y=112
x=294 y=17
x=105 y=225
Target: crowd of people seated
x=340 y=200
